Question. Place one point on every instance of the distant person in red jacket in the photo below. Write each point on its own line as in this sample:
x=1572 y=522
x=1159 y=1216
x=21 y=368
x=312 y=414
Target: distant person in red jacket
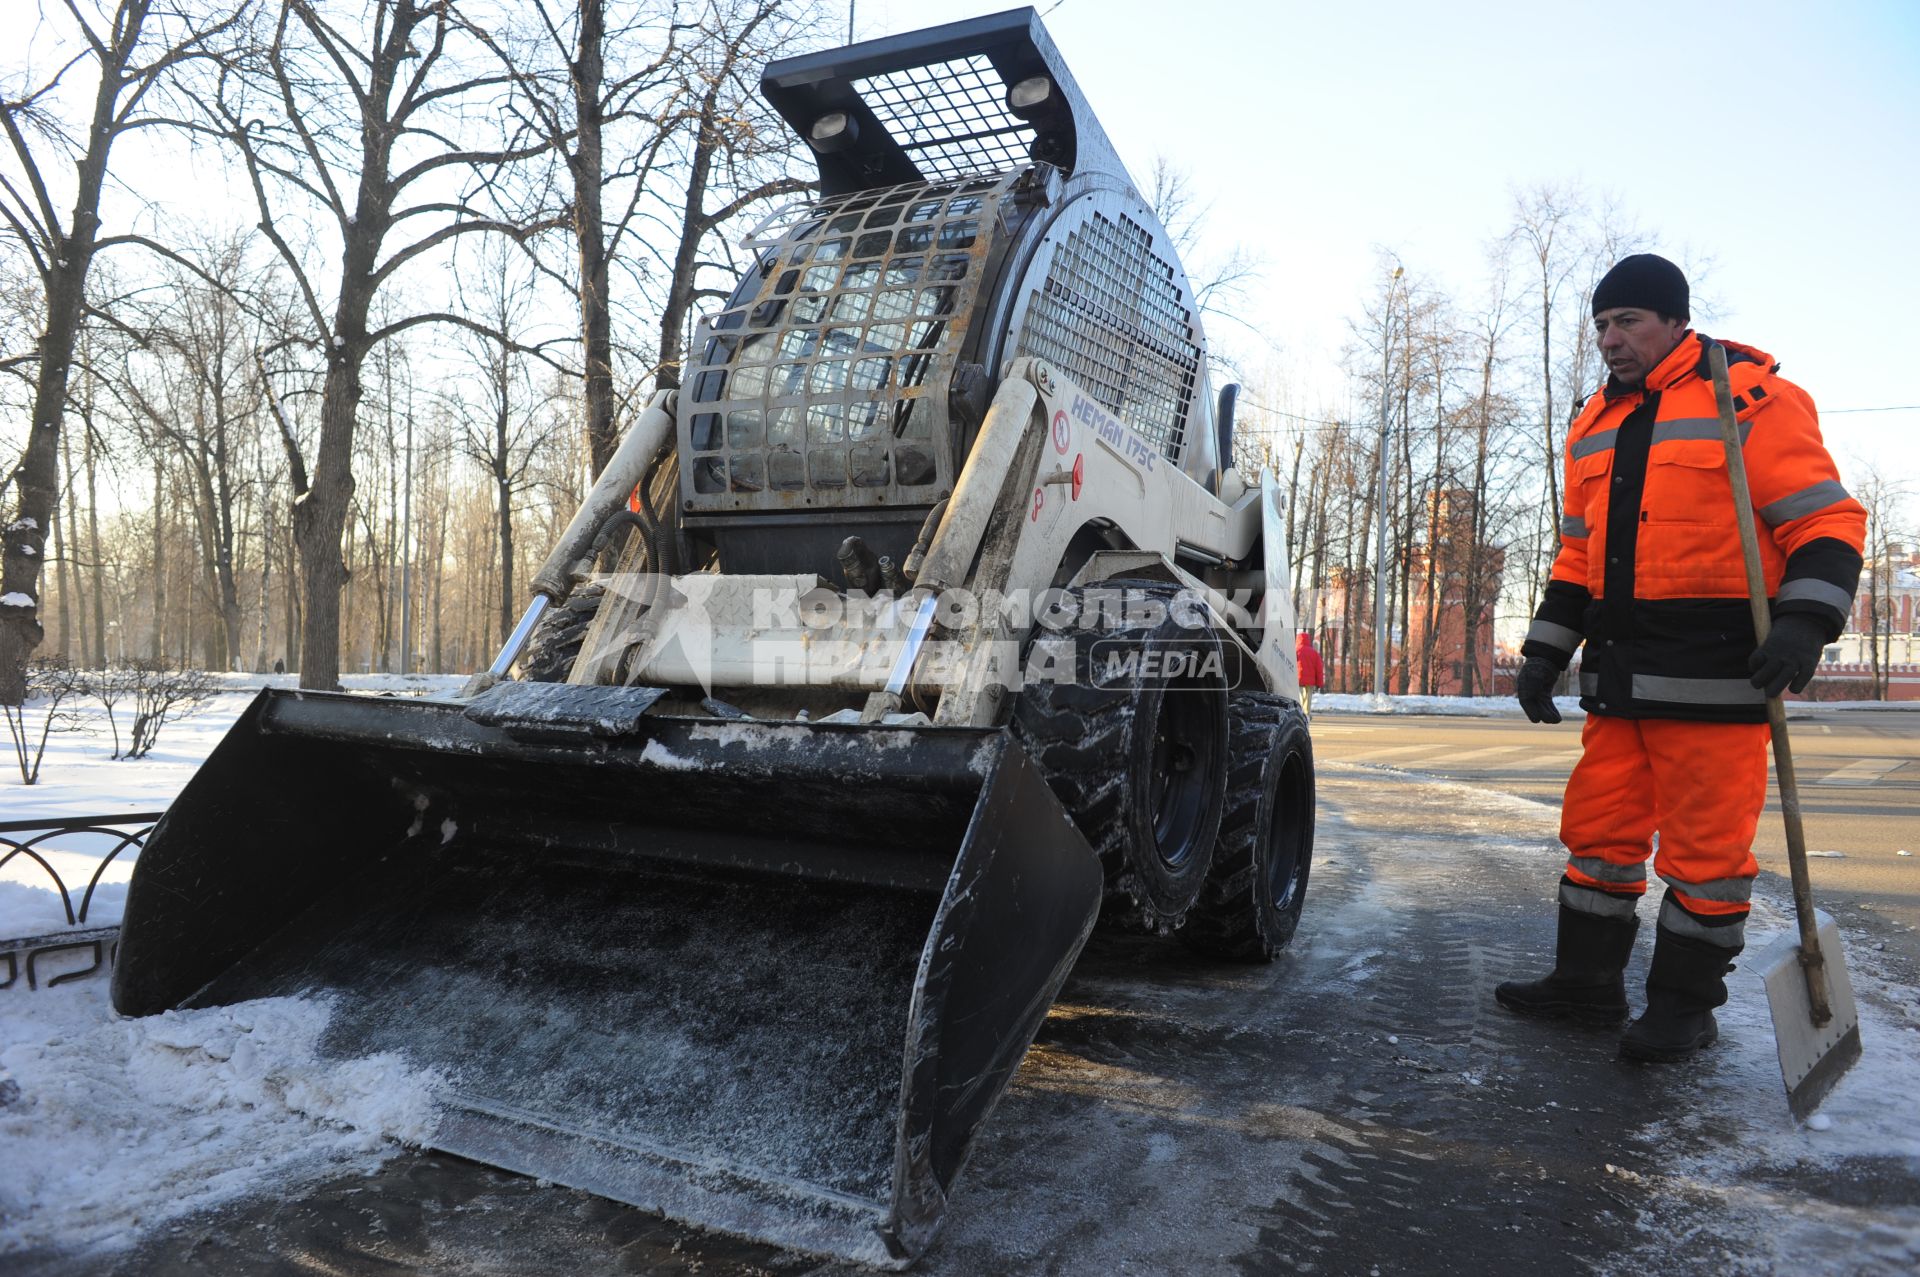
x=1313 y=674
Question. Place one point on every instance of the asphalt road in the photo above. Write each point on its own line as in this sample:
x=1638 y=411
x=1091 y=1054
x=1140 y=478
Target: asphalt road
x=1360 y=1106
x=1859 y=775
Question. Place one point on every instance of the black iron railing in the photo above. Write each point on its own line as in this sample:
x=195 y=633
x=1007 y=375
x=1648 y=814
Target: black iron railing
x=30 y=838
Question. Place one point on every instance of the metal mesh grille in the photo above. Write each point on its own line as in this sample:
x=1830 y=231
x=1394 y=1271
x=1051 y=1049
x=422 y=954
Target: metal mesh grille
x=951 y=118
x=825 y=383
x=1113 y=315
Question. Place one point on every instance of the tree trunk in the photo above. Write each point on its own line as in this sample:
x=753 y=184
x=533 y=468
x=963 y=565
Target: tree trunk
x=320 y=521
x=262 y=661
x=585 y=164
x=1317 y=583
x=23 y=538
x=694 y=226
x=97 y=566
x=158 y=639
x=63 y=552
x=439 y=578
x=1470 y=646
x=23 y=542
x=1403 y=541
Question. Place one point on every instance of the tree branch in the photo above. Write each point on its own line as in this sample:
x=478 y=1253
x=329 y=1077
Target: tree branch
x=461 y=321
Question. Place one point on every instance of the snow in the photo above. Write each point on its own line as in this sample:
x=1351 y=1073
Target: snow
x=113 y=1125
x=14 y=598
x=662 y=757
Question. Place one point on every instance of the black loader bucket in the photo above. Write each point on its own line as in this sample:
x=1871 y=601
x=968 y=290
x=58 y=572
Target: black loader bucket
x=764 y=978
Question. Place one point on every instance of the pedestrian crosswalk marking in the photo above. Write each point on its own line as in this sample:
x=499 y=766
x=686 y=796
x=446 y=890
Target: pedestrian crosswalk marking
x=1397 y=751
x=1493 y=751
x=1445 y=757
x=1863 y=771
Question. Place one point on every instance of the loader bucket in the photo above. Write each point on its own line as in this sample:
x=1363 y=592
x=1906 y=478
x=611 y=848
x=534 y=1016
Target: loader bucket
x=766 y=979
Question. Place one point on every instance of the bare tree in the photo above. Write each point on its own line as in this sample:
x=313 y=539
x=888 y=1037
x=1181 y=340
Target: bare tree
x=195 y=391
x=571 y=96
x=730 y=148
x=1488 y=332
x=52 y=688
x=1220 y=281
x=1885 y=500
x=499 y=416
x=368 y=135
x=131 y=48
x=1545 y=228
x=159 y=690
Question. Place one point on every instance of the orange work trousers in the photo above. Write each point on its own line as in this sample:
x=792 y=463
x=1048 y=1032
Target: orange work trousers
x=1700 y=786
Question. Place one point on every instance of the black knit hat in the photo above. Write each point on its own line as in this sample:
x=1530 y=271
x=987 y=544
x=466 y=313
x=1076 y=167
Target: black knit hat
x=1646 y=281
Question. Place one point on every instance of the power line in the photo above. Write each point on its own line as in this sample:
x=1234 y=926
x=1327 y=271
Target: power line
x=1348 y=425
x=1292 y=416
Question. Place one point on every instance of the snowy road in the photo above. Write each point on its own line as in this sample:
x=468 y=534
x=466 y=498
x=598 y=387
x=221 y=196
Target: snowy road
x=1360 y=1106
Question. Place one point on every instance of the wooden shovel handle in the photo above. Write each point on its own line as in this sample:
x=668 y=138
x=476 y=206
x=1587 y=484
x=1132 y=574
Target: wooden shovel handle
x=1811 y=959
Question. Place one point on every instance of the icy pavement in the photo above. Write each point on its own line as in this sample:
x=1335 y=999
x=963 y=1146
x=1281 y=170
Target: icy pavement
x=1359 y=1106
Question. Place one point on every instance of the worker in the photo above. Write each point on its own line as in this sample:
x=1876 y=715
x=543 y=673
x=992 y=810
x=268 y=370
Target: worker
x=1650 y=575
x=1313 y=673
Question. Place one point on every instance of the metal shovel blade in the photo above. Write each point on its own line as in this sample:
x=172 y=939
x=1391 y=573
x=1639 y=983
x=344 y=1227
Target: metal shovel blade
x=768 y=979
x=1812 y=1057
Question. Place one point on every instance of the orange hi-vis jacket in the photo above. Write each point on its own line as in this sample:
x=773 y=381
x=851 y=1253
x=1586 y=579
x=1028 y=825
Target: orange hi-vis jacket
x=1650 y=572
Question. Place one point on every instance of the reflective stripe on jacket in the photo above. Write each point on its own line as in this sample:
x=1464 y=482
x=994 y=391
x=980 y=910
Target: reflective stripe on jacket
x=1650 y=572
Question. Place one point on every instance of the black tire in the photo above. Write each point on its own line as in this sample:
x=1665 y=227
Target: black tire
x=1137 y=756
x=555 y=642
x=1251 y=902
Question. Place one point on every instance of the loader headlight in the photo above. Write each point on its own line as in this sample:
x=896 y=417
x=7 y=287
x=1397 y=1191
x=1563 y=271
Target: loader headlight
x=834 y=131
x=1033 y=96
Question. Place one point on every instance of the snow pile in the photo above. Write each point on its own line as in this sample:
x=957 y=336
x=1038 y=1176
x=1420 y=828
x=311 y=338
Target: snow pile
x=1452 y=706
x=113 y=1125
x=30 y=903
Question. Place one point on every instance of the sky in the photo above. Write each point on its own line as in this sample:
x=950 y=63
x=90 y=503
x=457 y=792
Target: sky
x=1771 y=142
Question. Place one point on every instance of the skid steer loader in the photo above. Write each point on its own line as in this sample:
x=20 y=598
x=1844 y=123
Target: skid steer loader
x=925 y=620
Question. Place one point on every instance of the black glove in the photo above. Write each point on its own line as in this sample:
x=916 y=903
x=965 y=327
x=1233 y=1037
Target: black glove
x=1790 y=654
x=1534 y=689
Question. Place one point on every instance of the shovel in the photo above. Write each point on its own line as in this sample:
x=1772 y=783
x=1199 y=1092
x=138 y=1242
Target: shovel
x=1814 y=1020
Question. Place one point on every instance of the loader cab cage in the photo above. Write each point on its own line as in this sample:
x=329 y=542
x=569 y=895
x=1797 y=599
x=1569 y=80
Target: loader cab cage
x=824 y=383
x=939 y=103
x=951 y=118
x=971 y=211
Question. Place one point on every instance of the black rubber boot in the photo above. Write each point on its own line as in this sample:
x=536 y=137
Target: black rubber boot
x=1586 y=982
x=1685 y=983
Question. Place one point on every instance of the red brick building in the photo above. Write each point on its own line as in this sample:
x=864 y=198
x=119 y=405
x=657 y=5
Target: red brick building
x=1433 y=647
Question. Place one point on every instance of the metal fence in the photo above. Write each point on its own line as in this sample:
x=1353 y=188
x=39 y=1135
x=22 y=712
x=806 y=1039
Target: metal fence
x=27 y=956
